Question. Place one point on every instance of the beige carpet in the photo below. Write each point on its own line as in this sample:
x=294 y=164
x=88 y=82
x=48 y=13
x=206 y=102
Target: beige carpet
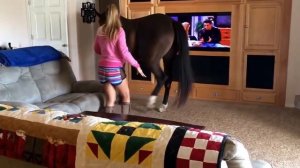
x=269 y=133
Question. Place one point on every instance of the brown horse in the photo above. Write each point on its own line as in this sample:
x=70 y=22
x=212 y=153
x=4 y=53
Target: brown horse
x=155 y=37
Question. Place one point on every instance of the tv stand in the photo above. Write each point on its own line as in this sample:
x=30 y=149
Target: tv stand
x=251 y=44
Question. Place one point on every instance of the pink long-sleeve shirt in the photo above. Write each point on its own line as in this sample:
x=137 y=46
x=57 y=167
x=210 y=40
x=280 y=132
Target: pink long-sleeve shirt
x=113 y=53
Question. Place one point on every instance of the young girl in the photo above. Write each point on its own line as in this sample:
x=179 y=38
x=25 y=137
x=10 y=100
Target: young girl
x=110 y=44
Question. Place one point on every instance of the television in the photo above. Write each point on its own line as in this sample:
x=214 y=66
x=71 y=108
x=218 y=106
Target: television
x=207 y=31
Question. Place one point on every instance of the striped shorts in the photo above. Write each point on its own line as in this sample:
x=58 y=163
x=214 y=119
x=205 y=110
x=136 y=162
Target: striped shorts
x=111 y=75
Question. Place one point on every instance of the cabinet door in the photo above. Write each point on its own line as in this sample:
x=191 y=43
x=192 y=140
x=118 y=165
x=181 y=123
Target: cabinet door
x=136 y=11
x=260 y=76
x=260 y=71
x=262 y=26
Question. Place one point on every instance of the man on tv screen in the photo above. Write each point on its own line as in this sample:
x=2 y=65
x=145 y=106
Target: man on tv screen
x=209 y=33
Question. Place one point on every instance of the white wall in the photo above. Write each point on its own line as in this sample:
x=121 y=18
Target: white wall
x=13 y=23
x=81 y=39
x=293 y=78
x=14 y=29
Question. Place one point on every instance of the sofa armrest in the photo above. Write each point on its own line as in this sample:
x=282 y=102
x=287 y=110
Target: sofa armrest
x=236 y=155
x=87 y=86
x=90 y=86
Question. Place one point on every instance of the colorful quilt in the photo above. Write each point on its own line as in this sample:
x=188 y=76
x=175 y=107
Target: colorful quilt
x=148 y=145
x=101 y=142
x=45 y=123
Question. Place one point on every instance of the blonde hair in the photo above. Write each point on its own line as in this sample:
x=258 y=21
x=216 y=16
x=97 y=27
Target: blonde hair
x=112 y=23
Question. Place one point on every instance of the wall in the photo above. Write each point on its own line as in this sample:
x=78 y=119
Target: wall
x=13 y=23
x=81 y=38
x=293 y=79
x=15 y=29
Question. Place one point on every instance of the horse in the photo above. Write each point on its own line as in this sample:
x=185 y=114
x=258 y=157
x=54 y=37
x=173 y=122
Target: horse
x=155 y=37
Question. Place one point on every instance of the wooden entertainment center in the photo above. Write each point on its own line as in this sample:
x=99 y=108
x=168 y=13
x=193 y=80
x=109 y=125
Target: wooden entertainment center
x=257 y=60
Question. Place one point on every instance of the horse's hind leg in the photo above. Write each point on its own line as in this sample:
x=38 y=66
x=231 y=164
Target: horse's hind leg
x=161 y=78
x=164 y=105
x=168 y=72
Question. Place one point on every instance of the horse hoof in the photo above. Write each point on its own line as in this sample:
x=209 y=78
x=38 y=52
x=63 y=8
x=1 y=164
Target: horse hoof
x=151 y=102
x=163 y=108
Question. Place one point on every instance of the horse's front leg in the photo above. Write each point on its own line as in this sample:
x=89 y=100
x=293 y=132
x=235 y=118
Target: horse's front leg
x=161 y=78
x=152 y=99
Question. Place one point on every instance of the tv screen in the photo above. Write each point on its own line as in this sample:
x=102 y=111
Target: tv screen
x=209 y=31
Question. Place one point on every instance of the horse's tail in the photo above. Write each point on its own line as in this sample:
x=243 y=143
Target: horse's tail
x=185 y=74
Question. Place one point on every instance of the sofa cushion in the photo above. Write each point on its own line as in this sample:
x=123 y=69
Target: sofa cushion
x=52 y=83
x=73 y=103
x=9 y=75
x=53 y=78
x=16 y=84
x=37 y=83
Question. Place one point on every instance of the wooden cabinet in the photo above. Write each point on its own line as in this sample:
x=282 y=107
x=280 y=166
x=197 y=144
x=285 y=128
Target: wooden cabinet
x=139 y=10
x=262 y=27
x=262 y=47
x=253 y=70
x=260 y=74
x=141 y=87
x=260 y=70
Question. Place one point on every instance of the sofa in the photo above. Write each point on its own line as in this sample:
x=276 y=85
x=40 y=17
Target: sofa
x=50 y=85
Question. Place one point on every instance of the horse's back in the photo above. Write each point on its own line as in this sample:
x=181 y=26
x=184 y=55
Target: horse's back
x=156 y=24
x=156 y=32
